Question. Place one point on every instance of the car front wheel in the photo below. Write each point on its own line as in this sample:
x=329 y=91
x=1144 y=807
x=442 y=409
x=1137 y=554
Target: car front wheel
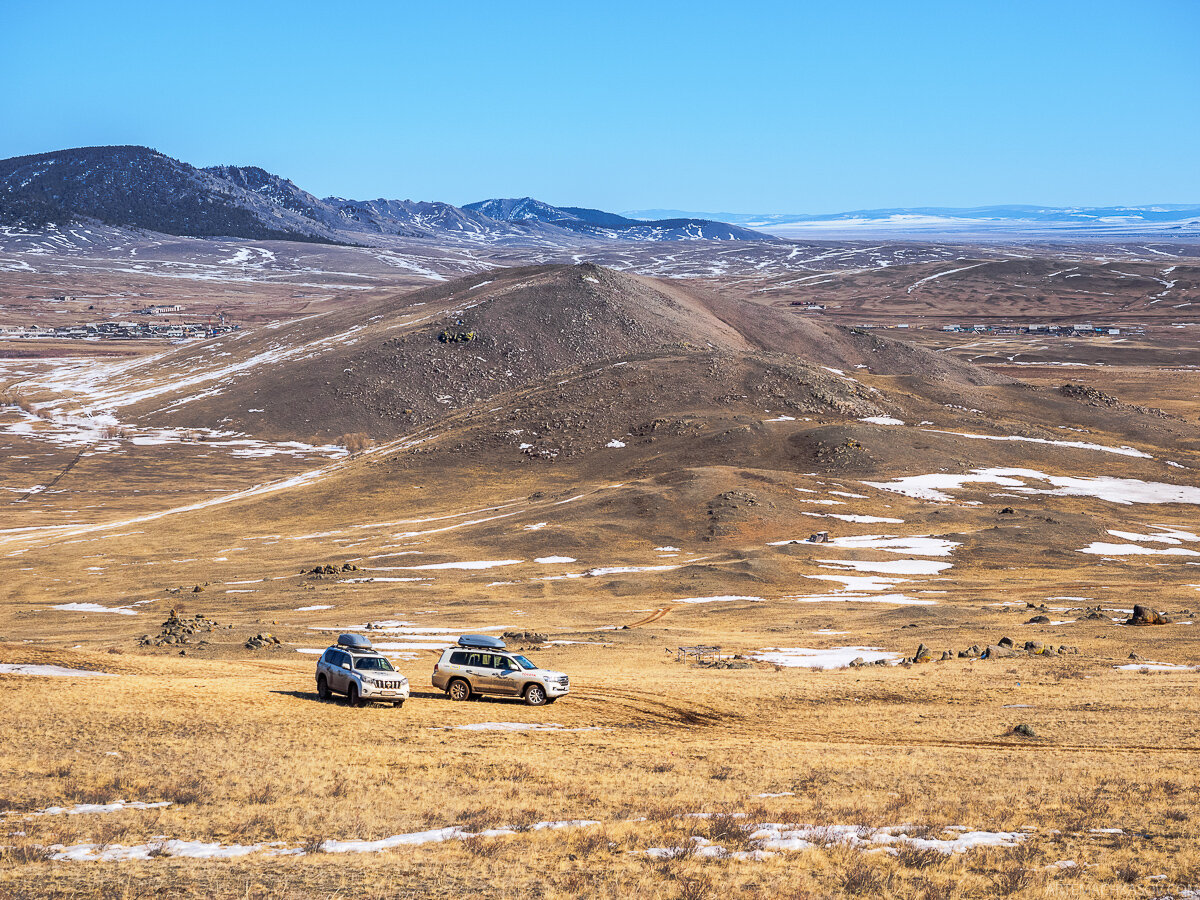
x=535 y=695
x=459 y=690
x=352 y=696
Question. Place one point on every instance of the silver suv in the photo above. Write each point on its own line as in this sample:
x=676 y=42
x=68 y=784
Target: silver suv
x=481 y=665
x=364 y=675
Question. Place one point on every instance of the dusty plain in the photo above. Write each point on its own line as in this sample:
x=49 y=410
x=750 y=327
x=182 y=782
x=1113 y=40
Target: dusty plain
x=625 y=489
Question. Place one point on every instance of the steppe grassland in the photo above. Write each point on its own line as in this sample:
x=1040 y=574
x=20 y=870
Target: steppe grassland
x=875 y=747
x=238 y=744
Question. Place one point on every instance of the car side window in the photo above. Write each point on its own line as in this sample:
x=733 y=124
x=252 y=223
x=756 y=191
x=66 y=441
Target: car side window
x=504 y=663
x=343 y=659
x=327 y=657
x=459 y=658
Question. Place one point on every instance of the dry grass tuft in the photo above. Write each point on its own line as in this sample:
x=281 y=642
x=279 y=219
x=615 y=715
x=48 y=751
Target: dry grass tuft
x=356 y=443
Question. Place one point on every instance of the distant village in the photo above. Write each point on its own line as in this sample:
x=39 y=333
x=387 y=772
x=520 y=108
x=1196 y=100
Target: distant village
x=146 y=329
x=1084 y=329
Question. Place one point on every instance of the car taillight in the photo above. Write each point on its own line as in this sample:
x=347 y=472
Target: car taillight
x=435 y=667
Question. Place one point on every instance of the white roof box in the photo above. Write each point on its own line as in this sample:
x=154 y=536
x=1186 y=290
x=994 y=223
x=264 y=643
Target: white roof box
x=354 y=642
x=482 y=641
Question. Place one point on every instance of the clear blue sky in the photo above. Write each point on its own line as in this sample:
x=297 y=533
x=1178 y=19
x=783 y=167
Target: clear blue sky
x=714 y=106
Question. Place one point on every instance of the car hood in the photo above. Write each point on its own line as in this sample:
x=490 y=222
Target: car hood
x=547 y=672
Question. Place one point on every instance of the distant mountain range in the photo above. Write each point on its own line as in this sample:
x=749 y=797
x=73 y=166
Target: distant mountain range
x=981 y=221
x=136 y=187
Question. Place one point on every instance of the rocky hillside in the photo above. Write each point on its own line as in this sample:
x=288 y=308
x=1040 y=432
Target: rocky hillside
x=390 y=365
x=141 y=188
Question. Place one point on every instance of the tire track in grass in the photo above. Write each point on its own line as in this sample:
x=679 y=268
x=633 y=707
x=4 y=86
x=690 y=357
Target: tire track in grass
x=41 y=489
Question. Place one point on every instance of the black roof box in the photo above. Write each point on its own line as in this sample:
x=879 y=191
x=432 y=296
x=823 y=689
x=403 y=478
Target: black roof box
x=483 y=641
x=354 y=642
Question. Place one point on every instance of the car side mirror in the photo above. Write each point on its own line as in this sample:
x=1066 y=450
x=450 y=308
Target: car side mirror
x=345 y=665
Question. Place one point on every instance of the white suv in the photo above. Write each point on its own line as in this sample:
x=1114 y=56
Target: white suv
x=364 y=675
x=481 y=665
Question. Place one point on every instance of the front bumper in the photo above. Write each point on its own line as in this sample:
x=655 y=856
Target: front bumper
x=372 y=692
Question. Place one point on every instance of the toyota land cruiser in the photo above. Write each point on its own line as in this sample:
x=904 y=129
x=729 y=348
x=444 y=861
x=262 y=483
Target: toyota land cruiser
x=481 y=665
x=364 y=675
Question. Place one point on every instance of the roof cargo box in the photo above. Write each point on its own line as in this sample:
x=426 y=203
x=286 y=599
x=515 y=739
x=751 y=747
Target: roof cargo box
x=484 y=641
x=354 y=641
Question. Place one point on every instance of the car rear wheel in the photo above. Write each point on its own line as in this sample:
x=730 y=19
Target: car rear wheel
x=535 y=695
x=459 y=690
x=352 y=696
x=323 y=687
x=398 y=704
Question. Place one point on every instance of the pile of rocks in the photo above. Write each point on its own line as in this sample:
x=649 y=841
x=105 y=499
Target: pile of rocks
x=178 y=631
x=330 y=569
x=534 y=638
x=260 y=640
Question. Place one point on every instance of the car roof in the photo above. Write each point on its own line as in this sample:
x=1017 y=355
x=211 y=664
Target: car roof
x=355 y=651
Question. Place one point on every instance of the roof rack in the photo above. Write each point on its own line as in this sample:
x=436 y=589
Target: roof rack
x=353 y=642
x=483 y=641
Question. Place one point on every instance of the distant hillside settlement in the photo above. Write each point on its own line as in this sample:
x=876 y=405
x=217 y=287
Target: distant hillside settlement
x=120 y=331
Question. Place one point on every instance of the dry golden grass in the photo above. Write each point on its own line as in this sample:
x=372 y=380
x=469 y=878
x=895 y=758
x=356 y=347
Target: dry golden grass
x=238 y=743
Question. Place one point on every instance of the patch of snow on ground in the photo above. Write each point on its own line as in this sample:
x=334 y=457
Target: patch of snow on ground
x=548 y=560
x=96 y=608
x=1114 y=490
x=860 y=520
x=1100 y=548
x=834 y=658
x=517 y=726
x=50 y=671
x=484 y=564
x=1078 y=445
x=723 y=599
x=81 y=809
x=882 y=420
x=891 y=566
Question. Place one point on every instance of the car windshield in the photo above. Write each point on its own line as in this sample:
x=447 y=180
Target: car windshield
x=523 y=662
x=377 y=663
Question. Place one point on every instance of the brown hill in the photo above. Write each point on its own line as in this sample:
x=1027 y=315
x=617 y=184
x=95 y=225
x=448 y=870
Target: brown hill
x=382 y=367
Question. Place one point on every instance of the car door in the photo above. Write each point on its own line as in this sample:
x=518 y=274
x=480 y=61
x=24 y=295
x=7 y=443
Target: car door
x=477 y=668
x=507 y=675
x=485 y=673
x=339 y=678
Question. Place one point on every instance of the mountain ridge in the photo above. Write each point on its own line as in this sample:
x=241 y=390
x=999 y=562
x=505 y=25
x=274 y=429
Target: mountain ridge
x=139 y=187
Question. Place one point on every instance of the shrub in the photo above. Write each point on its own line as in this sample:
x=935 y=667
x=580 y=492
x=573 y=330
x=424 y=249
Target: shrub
x=356 y=443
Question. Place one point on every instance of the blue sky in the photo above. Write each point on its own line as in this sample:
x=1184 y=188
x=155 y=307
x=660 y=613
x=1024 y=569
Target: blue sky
x=717 y=106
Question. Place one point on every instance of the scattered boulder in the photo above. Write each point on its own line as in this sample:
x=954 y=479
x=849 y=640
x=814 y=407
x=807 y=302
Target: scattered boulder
x=1144 y=615
x=1039 y=620
x=1005 y=642
x=1008 y=511
x=1095 y=615
x=260 y=640
x=330 y=569
x=1023 y=730
x=997 y=651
